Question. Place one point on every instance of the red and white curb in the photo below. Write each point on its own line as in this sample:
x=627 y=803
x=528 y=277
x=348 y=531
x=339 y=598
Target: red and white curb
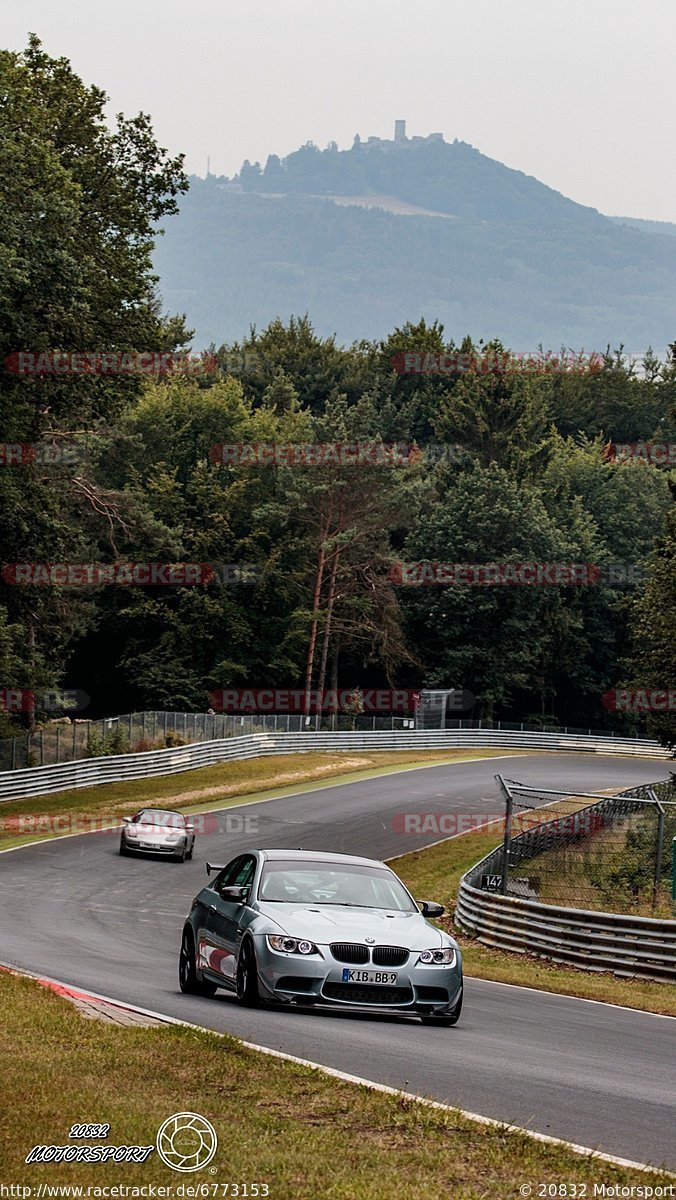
x=103 y=1005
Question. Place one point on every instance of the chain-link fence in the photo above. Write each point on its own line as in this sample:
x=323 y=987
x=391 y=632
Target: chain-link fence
x=605 y=852
x=67 y=740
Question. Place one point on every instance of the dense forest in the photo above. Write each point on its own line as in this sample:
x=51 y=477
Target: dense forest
x=504 y=461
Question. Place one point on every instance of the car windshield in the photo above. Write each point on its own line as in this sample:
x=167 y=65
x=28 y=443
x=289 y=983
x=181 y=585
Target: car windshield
x=333 y=883
x=156 y=816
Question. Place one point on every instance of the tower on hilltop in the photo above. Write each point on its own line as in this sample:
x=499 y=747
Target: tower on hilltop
x=400 y=131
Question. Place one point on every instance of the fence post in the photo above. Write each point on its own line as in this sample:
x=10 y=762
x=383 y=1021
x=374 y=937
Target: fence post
x=74 y=743
x=658 y=849
x=508 y=832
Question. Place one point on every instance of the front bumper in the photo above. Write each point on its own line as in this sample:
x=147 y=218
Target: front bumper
x=318 y=979
x=148 y=847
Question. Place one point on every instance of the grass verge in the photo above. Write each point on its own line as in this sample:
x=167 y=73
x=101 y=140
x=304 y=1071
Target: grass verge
x=303 y=1133
x=434 y=874
x=208 y=788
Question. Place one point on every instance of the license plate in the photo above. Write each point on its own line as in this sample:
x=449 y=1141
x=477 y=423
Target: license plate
x=386 y=977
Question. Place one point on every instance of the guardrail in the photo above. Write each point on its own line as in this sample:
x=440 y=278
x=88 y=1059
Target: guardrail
x=595 y=941
x=67 y=741
x=40 y=781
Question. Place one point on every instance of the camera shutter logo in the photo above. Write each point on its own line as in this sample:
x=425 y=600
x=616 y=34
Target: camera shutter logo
x=186 y=1142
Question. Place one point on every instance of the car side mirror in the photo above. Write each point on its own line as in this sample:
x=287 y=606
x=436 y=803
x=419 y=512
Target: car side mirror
x=430 y=908
x=126 y=820
x=190 y=828
x=214 y=867
x=234 y=893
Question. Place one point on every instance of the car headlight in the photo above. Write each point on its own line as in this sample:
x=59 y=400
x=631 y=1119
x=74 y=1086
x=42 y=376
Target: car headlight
x=444 y=956
x=129 y=832
x=290 y=945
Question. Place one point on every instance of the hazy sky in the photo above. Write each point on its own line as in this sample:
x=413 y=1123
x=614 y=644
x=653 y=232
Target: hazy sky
x=579 y=93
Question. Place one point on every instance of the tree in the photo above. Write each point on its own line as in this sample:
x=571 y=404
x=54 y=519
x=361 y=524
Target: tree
x=80 y=208
x=498 y=412
x=500 y=642
x=653 y=623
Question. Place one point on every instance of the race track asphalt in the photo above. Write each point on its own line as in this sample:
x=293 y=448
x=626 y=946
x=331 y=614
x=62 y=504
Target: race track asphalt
x=598 y=1075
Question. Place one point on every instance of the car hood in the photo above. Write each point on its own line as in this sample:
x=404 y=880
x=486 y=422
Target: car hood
x=333 y=924
x=156 y=833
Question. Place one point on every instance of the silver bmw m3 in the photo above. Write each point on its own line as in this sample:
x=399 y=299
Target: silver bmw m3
x=305 y=927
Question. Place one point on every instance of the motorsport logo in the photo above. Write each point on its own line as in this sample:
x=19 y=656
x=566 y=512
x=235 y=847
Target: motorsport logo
x=186 y=1141
x=89 y=1154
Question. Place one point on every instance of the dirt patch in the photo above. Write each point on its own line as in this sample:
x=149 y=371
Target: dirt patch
x=284 y=779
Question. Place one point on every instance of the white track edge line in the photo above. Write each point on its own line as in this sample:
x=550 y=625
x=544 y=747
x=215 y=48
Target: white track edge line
x=491 y=1122
x=646 y=1012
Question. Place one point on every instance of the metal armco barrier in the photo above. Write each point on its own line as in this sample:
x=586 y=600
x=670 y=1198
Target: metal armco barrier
x=595 y=941
x=40 y=781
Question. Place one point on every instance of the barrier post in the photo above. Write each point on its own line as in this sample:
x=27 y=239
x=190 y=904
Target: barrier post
x=657 y=879
x=508 y=832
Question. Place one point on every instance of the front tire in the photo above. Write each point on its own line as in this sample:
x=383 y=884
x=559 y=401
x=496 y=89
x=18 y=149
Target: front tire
x=188 y=980
x=247 y=976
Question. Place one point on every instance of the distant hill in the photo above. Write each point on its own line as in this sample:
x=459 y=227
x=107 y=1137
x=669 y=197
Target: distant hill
x=667 y=227
x=341 y=235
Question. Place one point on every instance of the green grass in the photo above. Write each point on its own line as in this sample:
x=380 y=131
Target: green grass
x=305 y=1134
x=434 y=874
x=207 y=788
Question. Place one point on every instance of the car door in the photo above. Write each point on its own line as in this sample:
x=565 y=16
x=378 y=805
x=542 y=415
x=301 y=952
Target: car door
x=223 y=931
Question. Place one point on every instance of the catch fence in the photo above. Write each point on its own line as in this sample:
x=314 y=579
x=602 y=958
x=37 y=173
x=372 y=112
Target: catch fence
x=598 y=852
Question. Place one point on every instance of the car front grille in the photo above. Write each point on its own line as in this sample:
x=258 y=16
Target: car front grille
x=350 y=952
x=390 y=956
x=359 y=993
